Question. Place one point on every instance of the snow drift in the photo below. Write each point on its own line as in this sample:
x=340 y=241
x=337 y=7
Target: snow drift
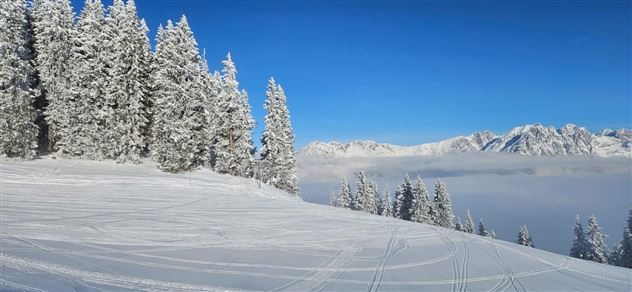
x=98 y=226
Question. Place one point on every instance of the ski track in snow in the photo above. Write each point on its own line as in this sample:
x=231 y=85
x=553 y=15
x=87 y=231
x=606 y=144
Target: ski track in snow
x=379 y=271
x=97 y=226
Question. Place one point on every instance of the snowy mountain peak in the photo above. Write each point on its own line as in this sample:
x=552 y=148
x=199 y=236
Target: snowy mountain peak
x=532 y=139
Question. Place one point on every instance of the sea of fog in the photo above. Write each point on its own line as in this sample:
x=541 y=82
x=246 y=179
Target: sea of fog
x=505 y=190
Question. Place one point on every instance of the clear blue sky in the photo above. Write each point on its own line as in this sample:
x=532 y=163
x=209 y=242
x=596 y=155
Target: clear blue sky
x=408 y=72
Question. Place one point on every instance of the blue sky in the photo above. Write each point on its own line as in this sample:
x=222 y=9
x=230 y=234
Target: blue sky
x=408 y=72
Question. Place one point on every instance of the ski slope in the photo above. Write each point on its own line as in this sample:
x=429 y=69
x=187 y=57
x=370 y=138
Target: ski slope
x=80 y=225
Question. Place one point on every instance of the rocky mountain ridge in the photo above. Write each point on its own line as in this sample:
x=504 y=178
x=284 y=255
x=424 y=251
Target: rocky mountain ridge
x=526 y=140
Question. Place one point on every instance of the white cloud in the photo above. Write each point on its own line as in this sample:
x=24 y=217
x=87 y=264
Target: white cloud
x=506 y=190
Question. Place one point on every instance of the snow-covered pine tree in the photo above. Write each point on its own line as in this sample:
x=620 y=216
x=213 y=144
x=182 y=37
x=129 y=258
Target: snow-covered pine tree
x=432 y=211
x=128 y=87
x=523 y=235
x=363 y=193
x=245 y=145
x=387 y=209
x=346 y=198
x=54 y=33
x=374 y=198
x=442 y=206
x=482 y=231
x=148 y=100
x=405 y=202
x=380 y=204
x=87 y=82
x=420 y=205
x=524 y=238
x=277 y=142
x=625 y=250
x=398 y=204
x=595 y=245
x=18 y=132
x=469 y=223
x=114 y=21
x=207 y=118
x=614 y=255
x=234 y=151
x=458 y=225
x=167 y=129
x=333 y=199
x=578 y=250
x=176 y=85
x=269 y=138
x=156 y=80
x=492 y=234
x=39 y=101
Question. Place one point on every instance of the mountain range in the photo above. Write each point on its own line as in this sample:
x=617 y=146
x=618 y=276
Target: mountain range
x=533 y=139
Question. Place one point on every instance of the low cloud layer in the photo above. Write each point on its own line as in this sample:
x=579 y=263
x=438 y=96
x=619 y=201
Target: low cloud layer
x=506 y=190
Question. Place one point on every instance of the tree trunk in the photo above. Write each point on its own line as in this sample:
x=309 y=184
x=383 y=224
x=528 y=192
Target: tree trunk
x=50 y=140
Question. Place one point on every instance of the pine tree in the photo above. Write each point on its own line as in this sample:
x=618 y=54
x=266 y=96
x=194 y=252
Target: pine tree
x=387 y=210
x=492 y=234
x=432 y=211
x=380 y=204
x=442 y=206
x=54 y=34
x=458 y=225
x=405 y=200
x=469 y=223
x=596 y=246
x=277 y=151
x=178 y=97
x=377 y=198
x=363 y=194
x=614 y=255
x=333 y=200
x=270 y=144
x=346 y=198
x=128 y=73
x=246 y=149
x=18 y=132
x=157 y=83
x=234 y=150
x=374 y=198
x=398 y=204
x=88 y=83
x=205 y=115
x=149 y=99
x=579 y=241
x=169 y=131
x=420 y=205
x=482 y=231
x=524 y=238
x=624 y=252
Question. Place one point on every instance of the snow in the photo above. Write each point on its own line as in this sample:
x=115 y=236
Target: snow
x=99 y=226
x=367 y=148
x=527 y=140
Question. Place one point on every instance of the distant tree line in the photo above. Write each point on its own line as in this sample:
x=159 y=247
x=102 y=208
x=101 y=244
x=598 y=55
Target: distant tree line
x=412 y=202
x=90 y=87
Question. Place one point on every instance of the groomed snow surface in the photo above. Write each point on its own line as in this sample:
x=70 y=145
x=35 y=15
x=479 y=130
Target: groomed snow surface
x=79 y=225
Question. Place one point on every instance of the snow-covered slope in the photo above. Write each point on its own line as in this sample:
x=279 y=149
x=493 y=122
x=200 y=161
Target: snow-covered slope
x=527 y=140
x=73 y=225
